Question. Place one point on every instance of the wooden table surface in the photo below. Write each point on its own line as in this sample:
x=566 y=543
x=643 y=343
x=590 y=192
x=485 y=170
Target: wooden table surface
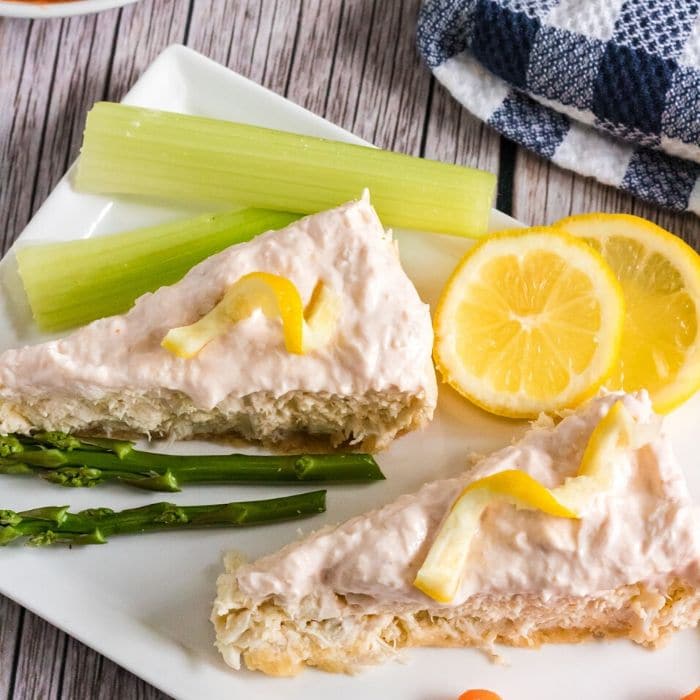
x=352 y=61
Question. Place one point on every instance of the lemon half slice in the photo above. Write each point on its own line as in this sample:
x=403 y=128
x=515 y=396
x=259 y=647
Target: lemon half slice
x=530 y=321
x=660 y=278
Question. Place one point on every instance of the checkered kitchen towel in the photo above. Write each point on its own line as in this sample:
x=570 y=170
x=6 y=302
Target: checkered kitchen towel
x=608 y=88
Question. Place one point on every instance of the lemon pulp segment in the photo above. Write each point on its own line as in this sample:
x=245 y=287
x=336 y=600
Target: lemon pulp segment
x=530 y=321
x=660 y=279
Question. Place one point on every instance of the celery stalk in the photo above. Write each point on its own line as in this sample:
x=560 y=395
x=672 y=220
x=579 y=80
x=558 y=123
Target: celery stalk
x=130 y=150
x=72 y=283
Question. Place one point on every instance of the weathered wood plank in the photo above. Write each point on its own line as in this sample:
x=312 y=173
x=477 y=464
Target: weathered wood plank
x=40 y=660
x=455 y=136
x=316 y=39
x=143 y=31
x=254 y=38
x=393 y=99
x=544 y=193
x=10 y=614
x=352 y=62
x=82 y=66
x=28 y=57
x=89 y=676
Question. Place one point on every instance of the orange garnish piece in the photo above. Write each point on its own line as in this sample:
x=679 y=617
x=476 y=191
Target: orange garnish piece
x=479 y=694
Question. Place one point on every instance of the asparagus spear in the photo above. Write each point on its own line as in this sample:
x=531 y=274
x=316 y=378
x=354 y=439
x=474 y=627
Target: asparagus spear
x=71 y=461
x=55 y=525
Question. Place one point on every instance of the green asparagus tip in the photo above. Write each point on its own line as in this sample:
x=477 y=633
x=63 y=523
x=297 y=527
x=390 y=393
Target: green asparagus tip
x=53 y=438
x=9 y=534
x=166 y=482
x=70 y=443
x=11 y=467
x=74 y=477
x=121 y=448
x=10 y=445
x=44 y=458
x=42 y=527
x=51 y=514
x=9 y=518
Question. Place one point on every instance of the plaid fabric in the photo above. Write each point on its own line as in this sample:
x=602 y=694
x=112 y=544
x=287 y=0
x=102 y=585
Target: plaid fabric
x=607 y=88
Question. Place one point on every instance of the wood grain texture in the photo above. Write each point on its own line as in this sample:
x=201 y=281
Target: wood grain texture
x=81 y=70
x=455 y=136
x=39 y=661
x=87 y=674
x=543 y=193
x=10 y=615
x=255 y=38
x=28 y=73
x=393 y=100
x=144 y=29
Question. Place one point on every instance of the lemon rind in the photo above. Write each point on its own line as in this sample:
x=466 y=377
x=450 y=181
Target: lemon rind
x=519 y=405
x=687 y=262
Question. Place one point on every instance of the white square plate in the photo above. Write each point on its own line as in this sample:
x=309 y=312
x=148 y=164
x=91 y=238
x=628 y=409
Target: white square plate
x=145 y=601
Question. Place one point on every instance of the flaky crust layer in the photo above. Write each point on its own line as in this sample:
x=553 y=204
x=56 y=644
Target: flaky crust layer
x=267 y=639
x=296 y=420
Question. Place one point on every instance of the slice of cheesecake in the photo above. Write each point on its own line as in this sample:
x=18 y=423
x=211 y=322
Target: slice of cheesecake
x=371 y=381
x=344 y=597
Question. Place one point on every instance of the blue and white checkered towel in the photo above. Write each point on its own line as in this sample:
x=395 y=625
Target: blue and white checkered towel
x=607 y=88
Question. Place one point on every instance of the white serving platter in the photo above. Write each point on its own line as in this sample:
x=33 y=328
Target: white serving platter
x=47 y=10
x=145 y=601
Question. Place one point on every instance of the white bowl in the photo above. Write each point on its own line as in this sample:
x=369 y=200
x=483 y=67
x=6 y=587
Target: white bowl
x=46 y=10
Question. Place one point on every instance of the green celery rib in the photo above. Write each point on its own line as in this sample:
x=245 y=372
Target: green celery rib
x=72 y=283
x=131 y=150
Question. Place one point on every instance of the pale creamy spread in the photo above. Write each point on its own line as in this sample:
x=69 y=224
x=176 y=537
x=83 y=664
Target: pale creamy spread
x=643 y=529
x=383 y=340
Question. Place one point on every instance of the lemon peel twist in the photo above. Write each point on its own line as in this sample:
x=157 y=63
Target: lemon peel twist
x=441 y=572
x=277 y=297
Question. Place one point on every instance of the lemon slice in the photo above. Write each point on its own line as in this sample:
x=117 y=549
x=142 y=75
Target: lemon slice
x=660 y=278
x=441 y=572
x=276 y=297
x=530 y=321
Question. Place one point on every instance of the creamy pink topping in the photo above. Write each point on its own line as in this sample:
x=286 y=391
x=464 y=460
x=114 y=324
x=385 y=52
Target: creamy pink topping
x=383 y=342
x=643 y=529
